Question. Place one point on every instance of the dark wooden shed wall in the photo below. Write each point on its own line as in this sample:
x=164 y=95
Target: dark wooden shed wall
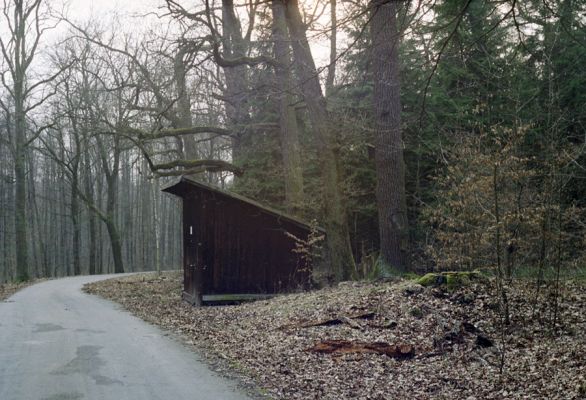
x=235 y=247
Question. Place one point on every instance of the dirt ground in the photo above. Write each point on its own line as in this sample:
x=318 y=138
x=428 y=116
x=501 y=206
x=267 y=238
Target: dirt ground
x=458 y=339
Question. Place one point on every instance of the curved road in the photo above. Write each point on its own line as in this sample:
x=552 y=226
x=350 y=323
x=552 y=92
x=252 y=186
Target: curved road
x=57 y=343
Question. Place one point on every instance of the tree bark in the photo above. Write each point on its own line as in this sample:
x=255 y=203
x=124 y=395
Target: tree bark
x=237 y=88
x=333 y=48
x=24 y=22
x=390 y=169
x=20 y=221
x=288 y=129
x=184 y=104
x=338 y=237
x=92 y=223
x=116 y=244
x=110 y=221
x=109 y=218
x=156 y=194
x=74 y=207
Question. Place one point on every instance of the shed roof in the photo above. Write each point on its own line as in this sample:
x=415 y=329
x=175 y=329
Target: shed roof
x=181 y=186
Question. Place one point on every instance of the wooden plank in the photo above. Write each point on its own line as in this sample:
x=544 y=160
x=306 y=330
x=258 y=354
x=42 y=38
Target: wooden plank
x=191 y=299
x=235 y=297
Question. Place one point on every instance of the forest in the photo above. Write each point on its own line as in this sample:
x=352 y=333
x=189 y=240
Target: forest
x=421 y=135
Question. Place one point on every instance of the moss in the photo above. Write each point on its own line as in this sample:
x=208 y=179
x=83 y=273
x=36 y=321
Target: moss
x=456 y=280
x=411 y=276
x=431 y=279
x=452 y=280
x=416 y=312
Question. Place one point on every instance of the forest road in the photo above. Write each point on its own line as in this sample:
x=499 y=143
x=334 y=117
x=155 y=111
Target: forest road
x=58 y=343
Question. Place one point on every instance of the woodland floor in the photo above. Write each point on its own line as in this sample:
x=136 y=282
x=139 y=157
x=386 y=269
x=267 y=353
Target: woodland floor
x=8 y=289
x=456 y=337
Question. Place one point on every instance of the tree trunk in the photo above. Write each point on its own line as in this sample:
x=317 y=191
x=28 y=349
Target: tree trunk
x=20 y=221
x=333 y=48
x=184 y=104
x=338 y=238
x=289 y=133
x=110 y=221
x=156 y=194
x=237 y=89
x=74 y=209
x=93 y=232
x=390 y=169
x=116 y=244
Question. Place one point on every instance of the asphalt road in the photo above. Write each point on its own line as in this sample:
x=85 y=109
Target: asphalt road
x=57 y=343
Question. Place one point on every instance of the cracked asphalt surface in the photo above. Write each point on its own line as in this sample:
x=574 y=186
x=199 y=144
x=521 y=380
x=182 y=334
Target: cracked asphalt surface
x=58 y=343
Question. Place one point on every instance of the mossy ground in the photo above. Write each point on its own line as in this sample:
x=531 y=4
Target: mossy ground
x=451 y=280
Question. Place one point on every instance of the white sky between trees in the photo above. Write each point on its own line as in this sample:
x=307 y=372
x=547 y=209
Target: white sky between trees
x=137 y=15
x=134 y=17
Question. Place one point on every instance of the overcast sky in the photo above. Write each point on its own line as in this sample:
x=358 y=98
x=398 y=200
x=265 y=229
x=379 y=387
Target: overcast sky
x=132 y=10
x=83 y=9
x=131 y=17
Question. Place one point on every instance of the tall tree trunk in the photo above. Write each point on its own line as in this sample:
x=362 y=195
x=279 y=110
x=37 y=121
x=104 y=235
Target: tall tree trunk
x=156 y=194
x=5 y=199
x=333 y=48
x=74 y=199
x=110 y=216
x=289 y=133
x=39 y=245
x=116 y=244
x=237 y=89
x=110 y=221
x=93 y=231
x=20 y=221
x=74 y=209
x=390 y=169
x=184 y=119
x=336 y=222
x=23 y=26
x=63 y=255
x=124 y=220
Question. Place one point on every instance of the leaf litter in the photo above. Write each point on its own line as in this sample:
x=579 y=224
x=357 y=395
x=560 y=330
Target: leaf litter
x=8 y=289
x=453 y=339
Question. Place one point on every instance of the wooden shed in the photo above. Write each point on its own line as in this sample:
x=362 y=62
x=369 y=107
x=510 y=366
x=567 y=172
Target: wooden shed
x=235 y=248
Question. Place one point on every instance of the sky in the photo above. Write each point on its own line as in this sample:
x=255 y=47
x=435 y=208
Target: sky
x=133 y=11
x=132 y=16
x=83 y=9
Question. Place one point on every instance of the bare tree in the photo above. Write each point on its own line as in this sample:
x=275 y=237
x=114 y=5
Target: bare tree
x=165 y=103
x=26 y=22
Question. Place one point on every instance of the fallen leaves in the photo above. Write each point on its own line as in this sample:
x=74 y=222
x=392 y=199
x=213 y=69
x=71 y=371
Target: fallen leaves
x=344 y=319
x=266 y=340
x=8 y=289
